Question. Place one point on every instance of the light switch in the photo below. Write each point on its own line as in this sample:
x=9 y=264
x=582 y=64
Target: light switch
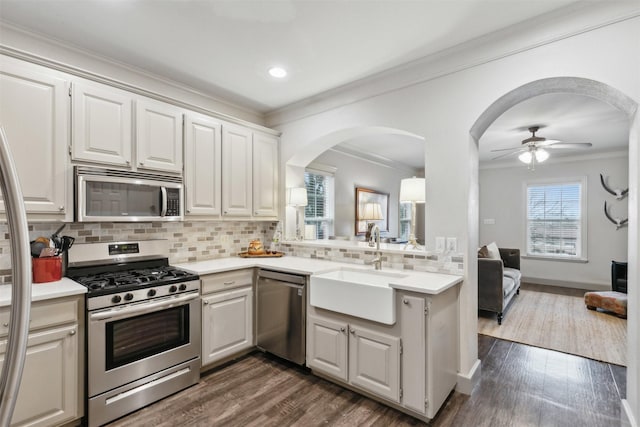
x=439 y=244
x=489 y=221
x=452 y=244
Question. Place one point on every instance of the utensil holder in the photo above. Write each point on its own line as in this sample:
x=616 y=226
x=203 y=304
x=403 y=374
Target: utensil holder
x=47 y=269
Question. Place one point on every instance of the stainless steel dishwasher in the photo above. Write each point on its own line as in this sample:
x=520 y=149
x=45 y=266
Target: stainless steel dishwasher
x=281 y=315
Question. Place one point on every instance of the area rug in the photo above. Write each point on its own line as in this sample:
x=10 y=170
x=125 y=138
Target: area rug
x=562 y=323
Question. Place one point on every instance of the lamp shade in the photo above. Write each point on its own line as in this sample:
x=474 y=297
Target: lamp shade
x=412 y=190
x=371 y=212
x=297 y=196
x=541 y=155
x=526 y=157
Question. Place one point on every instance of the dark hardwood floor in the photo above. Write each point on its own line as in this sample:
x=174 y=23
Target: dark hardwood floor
x=520 y=386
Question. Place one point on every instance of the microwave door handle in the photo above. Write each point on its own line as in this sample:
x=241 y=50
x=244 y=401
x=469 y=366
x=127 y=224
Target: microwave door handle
x=163 y=192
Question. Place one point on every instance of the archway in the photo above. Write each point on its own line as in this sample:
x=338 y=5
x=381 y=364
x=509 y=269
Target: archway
x=295 y=165
x=612 y=96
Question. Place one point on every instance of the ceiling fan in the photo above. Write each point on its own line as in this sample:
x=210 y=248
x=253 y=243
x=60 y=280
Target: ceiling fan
x=533 y=149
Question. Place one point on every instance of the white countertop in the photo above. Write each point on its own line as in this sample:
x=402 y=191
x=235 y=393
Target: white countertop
x=43 y=291
x=415 y=281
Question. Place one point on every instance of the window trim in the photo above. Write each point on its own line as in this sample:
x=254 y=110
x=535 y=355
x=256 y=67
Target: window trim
x=584 y=234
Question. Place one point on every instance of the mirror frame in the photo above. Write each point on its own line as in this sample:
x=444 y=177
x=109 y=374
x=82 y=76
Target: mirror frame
x=366 y=195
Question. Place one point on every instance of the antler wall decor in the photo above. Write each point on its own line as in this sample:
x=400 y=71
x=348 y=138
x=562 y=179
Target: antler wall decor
x=620 y=194
x=619 y=222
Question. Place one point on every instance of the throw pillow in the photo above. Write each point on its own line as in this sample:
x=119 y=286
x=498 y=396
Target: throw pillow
x=494 y=252
x=483 y=252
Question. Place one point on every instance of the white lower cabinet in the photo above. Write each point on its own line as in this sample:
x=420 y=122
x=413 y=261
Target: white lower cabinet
x=361 y=357
x=227 y=315
x=412 y=364
x=50 y=392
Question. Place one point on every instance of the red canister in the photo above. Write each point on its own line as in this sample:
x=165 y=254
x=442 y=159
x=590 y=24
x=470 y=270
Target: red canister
x=48 y=269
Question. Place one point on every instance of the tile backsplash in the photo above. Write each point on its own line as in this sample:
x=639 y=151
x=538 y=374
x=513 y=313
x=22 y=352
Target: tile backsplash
x=188 y=241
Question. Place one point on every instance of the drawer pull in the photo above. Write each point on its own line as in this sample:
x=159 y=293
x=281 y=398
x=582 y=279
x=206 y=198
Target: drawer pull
x=5 y=324
x=353 y=331
x=233 y=282
x=72 y=332
x=405 y=301
x=342 y=330
x=205 y=302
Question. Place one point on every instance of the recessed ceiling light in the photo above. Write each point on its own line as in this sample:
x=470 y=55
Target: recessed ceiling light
x=277 y=72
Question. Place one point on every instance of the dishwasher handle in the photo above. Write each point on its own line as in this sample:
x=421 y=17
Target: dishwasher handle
x=282 y=277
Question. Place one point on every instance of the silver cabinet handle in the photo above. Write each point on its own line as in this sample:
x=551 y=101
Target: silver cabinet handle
x=141 y=163
x=72 y=332
x=353 y=331
x=342 y=330
x=188 y=210
x=60 y=208
x=205 y=302
x=128 y=162
x=229 y=283
x=405 y=301
x=5 y=324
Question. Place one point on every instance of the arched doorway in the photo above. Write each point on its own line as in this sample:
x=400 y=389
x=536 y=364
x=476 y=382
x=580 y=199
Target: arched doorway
x=612 y=96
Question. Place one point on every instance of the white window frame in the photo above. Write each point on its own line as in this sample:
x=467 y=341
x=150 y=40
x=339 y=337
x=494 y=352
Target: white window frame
x=581 y=256
x=328 y=171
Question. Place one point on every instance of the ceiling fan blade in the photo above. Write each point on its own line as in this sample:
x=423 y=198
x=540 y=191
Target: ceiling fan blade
x=547 y=142
x=507 y=149
x=570 y=145
x=502 y=156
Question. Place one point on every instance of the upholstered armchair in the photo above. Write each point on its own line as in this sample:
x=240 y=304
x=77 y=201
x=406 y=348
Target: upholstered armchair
x=498 y=281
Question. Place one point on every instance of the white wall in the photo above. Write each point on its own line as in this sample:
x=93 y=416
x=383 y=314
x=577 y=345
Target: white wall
x=443 y=109
x=502 y=198
x=354 y=172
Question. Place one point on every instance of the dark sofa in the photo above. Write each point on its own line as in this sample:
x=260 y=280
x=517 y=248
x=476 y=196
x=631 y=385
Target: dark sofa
x=498 y=281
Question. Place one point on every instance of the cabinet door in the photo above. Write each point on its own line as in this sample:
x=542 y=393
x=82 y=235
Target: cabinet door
x=227 y=324
x=327 y=347
x=236 y=176
x=203 y=165
x=101 y=124
x=374 y=362
x=414 y=339
x=158 y=136
x=49 y=389
x=265 y=175
x=34 y=111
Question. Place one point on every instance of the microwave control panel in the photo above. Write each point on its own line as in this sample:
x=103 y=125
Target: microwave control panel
x=173 y=202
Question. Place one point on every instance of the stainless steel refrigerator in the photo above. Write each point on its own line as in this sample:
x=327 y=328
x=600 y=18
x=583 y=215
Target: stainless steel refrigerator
x=21 y=283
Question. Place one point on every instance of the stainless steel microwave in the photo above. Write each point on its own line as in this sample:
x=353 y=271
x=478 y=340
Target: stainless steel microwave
x=113 y=195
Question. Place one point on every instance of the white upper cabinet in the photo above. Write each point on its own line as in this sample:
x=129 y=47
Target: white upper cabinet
x=158 y=136
x=265 y=175
x=34 y=112
x=237 y=171
x=203 y=165
x=101 y=124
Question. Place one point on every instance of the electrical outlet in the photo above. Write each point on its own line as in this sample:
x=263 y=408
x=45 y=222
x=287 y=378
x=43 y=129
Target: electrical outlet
x=452 y=244
x=489 y=221
x=439 y=244
x=322 y=253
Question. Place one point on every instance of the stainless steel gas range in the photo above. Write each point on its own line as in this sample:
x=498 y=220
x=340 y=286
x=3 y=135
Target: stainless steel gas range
x=143 y=333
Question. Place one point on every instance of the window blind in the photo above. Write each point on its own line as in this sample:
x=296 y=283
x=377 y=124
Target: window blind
x=319 y=210
x=554 y=220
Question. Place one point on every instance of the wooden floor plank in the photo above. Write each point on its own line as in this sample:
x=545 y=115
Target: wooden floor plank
x=520 y=386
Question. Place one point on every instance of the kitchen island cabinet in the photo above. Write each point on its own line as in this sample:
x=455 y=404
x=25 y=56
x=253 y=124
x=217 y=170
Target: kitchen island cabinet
x=52 y=387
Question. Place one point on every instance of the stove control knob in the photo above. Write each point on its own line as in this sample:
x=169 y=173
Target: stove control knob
x=128 y=297
x=183 y=287
x=151 y=293
x=173 y=288
x=116 y=299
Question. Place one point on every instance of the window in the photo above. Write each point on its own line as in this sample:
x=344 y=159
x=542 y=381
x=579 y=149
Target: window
x=556 y=220
x=405 y=220
x=319 y=211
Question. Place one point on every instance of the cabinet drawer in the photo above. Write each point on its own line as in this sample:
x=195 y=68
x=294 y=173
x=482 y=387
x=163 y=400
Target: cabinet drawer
x=228 y=280
x=44 y=314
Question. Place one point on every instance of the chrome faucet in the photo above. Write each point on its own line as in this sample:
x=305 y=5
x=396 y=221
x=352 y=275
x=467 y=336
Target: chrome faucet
x=375 y=236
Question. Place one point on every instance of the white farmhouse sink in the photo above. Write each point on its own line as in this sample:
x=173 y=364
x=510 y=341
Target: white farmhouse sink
x=359 y=293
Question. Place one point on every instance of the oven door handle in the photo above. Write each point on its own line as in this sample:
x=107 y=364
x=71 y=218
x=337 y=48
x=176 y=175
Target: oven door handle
x=143 y=308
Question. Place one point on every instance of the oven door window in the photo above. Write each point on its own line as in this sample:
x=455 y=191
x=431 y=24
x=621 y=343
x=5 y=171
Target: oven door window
x=122 y=199
x=136 y=338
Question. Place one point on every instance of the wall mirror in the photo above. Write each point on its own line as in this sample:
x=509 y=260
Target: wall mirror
x=372 y=207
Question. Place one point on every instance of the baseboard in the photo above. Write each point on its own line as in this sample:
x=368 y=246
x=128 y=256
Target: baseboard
x=466 y=382
x=568 y=284
x=627 y=414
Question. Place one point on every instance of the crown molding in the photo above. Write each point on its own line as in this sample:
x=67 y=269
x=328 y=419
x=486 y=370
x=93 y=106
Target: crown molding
x=551 y=27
